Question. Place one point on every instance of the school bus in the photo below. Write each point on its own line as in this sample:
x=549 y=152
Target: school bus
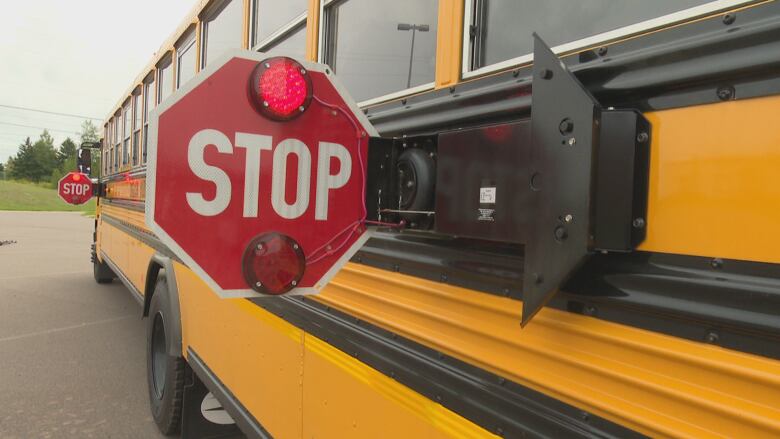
x=666 y=321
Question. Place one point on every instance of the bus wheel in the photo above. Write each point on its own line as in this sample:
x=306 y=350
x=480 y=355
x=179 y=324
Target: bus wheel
x=102 y=271
x=165 y=372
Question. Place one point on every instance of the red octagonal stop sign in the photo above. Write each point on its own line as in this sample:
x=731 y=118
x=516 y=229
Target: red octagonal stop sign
x=75 y=188
x=226 y=182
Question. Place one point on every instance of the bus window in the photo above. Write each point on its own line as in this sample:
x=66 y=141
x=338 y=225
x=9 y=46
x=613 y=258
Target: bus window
x=165 y=81
x=117 y=139
x=378 y=47
x=504 y=27
x=185 y=59
x=272 y=15
x=137 y=111
x=126 y=124
x=148 y=106
x=292 y=44
x=223 y=30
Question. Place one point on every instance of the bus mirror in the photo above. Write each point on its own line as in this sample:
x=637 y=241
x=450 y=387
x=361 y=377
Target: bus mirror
x=85 y=160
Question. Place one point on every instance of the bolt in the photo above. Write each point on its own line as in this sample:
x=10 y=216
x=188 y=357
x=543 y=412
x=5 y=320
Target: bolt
x=452 y=89
x=589 y=310
x=566 y=126
x=258 y=284
x=711 y=337
x=501 y=381
x=303 y=71
x=333 y=113
x=444 y=278
x=545 y=74
x=295 y=246
x=329 y=248
x=265 y=103
x=301 y=108
x=409 y=183
x=516 y=73
x=726 y=93
x=568 y=218
x=584 y=416
x=259 y=246
x=571 y=141
x=294 y=283
x=638 y=223
x=267 y=65
x=642 y=137
x=561 y=233
x=729 y=19
x=716 y=263
x=602 y=50
x=431 y=155
x=538 y=278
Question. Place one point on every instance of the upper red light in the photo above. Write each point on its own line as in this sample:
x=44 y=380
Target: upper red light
x=76 y=177
x=280 y=88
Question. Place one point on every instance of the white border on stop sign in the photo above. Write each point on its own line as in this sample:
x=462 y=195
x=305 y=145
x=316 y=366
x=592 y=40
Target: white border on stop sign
x=151 y=171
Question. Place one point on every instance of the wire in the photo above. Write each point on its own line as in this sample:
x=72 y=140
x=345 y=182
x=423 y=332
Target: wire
x=37 y=127
x=50 y=112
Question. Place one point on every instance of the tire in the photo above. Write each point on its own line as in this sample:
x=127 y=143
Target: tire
x=164 y=372
x=419 y=172
x=102 y=272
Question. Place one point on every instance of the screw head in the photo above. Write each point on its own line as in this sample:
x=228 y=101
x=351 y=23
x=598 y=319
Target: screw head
x=602 y=50
x=571 y=142
x=726 y=93
x=537 y=278
x=568 y=218
x=711 y=337
x=638 y=223
x=716 y=263
x=265 y=103
x=303 y=71
x=642 y=137
x=729 y=19
x=259 y=247
x=566 y=126
x=258 y=284
x=294 y=283
x=545 y=74
x=561 y=233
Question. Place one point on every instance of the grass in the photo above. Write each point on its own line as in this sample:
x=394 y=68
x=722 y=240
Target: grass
x=16 y=195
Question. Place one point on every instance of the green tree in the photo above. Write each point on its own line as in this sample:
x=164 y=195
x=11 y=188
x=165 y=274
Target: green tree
x=35 y=161
x=67 y=150
x=24 y=162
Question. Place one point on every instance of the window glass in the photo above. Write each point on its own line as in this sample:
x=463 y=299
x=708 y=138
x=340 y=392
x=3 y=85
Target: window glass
x=185 y=69
x=504 y=27
x=224 y=30
x=138 y=111
x=165 y=85
x=378 y=47
x=272 y=15
x=148 y=100
x=292 y=45
x=127 y=118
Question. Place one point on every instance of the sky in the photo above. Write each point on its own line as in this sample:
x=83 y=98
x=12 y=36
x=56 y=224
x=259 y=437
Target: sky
x=76 y=57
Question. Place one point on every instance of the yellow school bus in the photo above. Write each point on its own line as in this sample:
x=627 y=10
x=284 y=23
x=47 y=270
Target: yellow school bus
x=664 y=319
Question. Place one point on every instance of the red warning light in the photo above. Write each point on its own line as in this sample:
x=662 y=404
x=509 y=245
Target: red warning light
x=280 y=88
x=273 y=263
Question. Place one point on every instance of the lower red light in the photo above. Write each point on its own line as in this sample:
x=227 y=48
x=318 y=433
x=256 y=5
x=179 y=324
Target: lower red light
x=280 y=88
x=273 y=263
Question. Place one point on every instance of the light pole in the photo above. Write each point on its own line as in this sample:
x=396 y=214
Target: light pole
x=414 y=28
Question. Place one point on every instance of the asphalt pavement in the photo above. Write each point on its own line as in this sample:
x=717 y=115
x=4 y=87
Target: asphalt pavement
x=72 y=352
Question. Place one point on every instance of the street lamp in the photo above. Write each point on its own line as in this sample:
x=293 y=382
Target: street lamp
x=414 y=28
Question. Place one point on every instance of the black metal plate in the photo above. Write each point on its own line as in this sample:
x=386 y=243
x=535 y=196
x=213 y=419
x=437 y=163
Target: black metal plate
x=562 y=163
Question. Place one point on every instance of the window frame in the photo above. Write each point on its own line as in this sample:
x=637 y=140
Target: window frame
x=324 y=29
x=165 y=63
x=135 y=136
x=469 y=14
x=278 y=35
x=187 y=42
x=148 y=95
x=126 y=137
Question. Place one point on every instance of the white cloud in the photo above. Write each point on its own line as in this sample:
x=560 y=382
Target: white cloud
x=75 y=56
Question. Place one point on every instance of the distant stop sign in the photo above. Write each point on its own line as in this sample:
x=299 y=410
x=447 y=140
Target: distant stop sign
x=257 y=175
x=75 y=188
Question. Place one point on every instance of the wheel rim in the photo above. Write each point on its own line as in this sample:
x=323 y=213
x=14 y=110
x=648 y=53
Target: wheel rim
x=159 y=356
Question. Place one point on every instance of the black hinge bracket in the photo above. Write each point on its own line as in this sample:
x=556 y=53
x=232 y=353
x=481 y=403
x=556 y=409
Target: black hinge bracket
x=588 y=169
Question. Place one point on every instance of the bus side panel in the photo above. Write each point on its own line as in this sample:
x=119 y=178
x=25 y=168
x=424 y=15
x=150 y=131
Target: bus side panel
x=344 y=398
x=256 y=355
x=131 y=255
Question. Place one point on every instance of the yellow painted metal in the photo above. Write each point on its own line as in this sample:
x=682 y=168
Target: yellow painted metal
x=133 y=217
x=257 y=355
x=344 y=398
x=246 y=42
x=312 y=30
x=653 y=383
x=127 y=189
x=449 y=43
x=297 y=385
x=714 y=181
x=129 y=254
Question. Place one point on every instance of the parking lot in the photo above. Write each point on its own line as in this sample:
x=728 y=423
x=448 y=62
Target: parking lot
x=72 y=361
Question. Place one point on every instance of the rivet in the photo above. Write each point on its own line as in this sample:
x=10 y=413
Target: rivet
x=711 y=337
x=259 y=246
x=568 y=218
x=295 y=246
x=638 y=223
x=572 y=141
x=561 y=234
x=265 y=103
x=538 y=278
x=602 y=50
x=258 y=284
x=303 y=71
x=294 y=283
x=729 y=19
x=726 y=93
x=642 y=137
x=443 y=278
x=545 y=73
x=301 y=108
x=566 y=126
x=716 y=263
x=267 y=65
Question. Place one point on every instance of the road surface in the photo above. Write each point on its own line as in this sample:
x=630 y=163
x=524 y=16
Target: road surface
x=72 y=352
